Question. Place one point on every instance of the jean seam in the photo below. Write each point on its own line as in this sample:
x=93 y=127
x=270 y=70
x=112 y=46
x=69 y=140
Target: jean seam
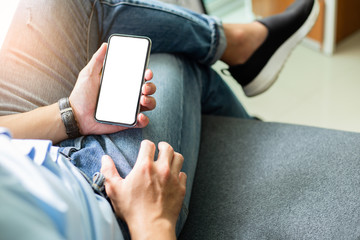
x=182 y=108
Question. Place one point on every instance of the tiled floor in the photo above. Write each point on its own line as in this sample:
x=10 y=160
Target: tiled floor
x=313 y=89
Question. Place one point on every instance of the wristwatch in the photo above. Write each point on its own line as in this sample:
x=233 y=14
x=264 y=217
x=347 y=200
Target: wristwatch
x=68 y=118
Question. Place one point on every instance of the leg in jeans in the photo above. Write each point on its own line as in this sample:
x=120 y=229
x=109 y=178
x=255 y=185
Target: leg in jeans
x=172 y=29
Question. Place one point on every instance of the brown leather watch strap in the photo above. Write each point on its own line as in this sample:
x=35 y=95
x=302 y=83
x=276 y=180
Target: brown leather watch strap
x=68 y=118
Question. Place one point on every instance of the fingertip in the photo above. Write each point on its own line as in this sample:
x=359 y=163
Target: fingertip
x=96 y=62
x=108 y=168
x=180 y=158
x=149 y=88
x=164 y=145
x=143 y=121
x=105 y=161
x=148 y=103
x=144 y=100
x=100 y=53
x=147 y=143
x=103 y=47
x=105 y=158
x=146 y=152
x=148 y=74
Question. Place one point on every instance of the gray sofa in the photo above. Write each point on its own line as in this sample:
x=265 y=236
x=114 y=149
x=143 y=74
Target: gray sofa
x=261 y=180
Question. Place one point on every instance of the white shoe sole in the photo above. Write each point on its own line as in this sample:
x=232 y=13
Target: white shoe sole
x=271 y=70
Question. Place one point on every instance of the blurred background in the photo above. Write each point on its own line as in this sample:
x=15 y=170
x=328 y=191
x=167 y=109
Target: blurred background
x=320 y=83
x=6 y=14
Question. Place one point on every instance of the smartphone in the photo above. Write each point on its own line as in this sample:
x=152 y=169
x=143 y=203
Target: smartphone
x=122 y=78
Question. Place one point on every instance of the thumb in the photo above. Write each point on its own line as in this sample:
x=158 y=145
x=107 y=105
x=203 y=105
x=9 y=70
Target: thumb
x=97 y=60
x=108 y=169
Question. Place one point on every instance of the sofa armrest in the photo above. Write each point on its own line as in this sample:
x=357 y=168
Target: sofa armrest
x=259 y=180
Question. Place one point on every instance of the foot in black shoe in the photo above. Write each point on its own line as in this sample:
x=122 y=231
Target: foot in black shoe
x=286 y=30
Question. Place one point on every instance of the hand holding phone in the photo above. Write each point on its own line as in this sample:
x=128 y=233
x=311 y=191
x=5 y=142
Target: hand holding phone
x=122 y=79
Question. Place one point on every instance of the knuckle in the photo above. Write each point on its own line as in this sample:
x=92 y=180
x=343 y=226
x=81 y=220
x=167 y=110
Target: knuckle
x=165 y=146
x=179 y=156
x=110 y=189
x=147 y=166
x=148 y=169
x=165 y=173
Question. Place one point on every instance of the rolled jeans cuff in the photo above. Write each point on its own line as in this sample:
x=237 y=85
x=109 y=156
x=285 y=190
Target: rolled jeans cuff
x=221 y=43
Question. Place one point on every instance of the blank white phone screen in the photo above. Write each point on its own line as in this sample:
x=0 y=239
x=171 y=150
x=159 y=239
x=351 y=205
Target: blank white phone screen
x=123 y=75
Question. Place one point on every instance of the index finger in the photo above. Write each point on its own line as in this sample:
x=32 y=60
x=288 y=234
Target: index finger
x=146 y=152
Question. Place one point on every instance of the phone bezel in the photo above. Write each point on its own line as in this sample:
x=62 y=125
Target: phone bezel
x=140 y=89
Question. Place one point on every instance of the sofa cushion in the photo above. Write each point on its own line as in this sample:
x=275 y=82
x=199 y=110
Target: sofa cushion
x=260 y=180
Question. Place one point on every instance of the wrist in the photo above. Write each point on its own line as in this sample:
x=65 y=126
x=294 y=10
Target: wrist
x=158 y=229
x=68 y=118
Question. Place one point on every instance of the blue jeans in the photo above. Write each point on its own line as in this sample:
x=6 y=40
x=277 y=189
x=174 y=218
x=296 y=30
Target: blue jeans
x=61 y=37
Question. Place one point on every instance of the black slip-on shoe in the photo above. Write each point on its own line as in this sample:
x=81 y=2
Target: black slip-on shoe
x=286 y=30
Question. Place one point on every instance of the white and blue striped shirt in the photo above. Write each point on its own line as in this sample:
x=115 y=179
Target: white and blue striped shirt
x=43 y=196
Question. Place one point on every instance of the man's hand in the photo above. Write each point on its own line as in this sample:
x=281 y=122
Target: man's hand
x=84 y=95
x=149 y=199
